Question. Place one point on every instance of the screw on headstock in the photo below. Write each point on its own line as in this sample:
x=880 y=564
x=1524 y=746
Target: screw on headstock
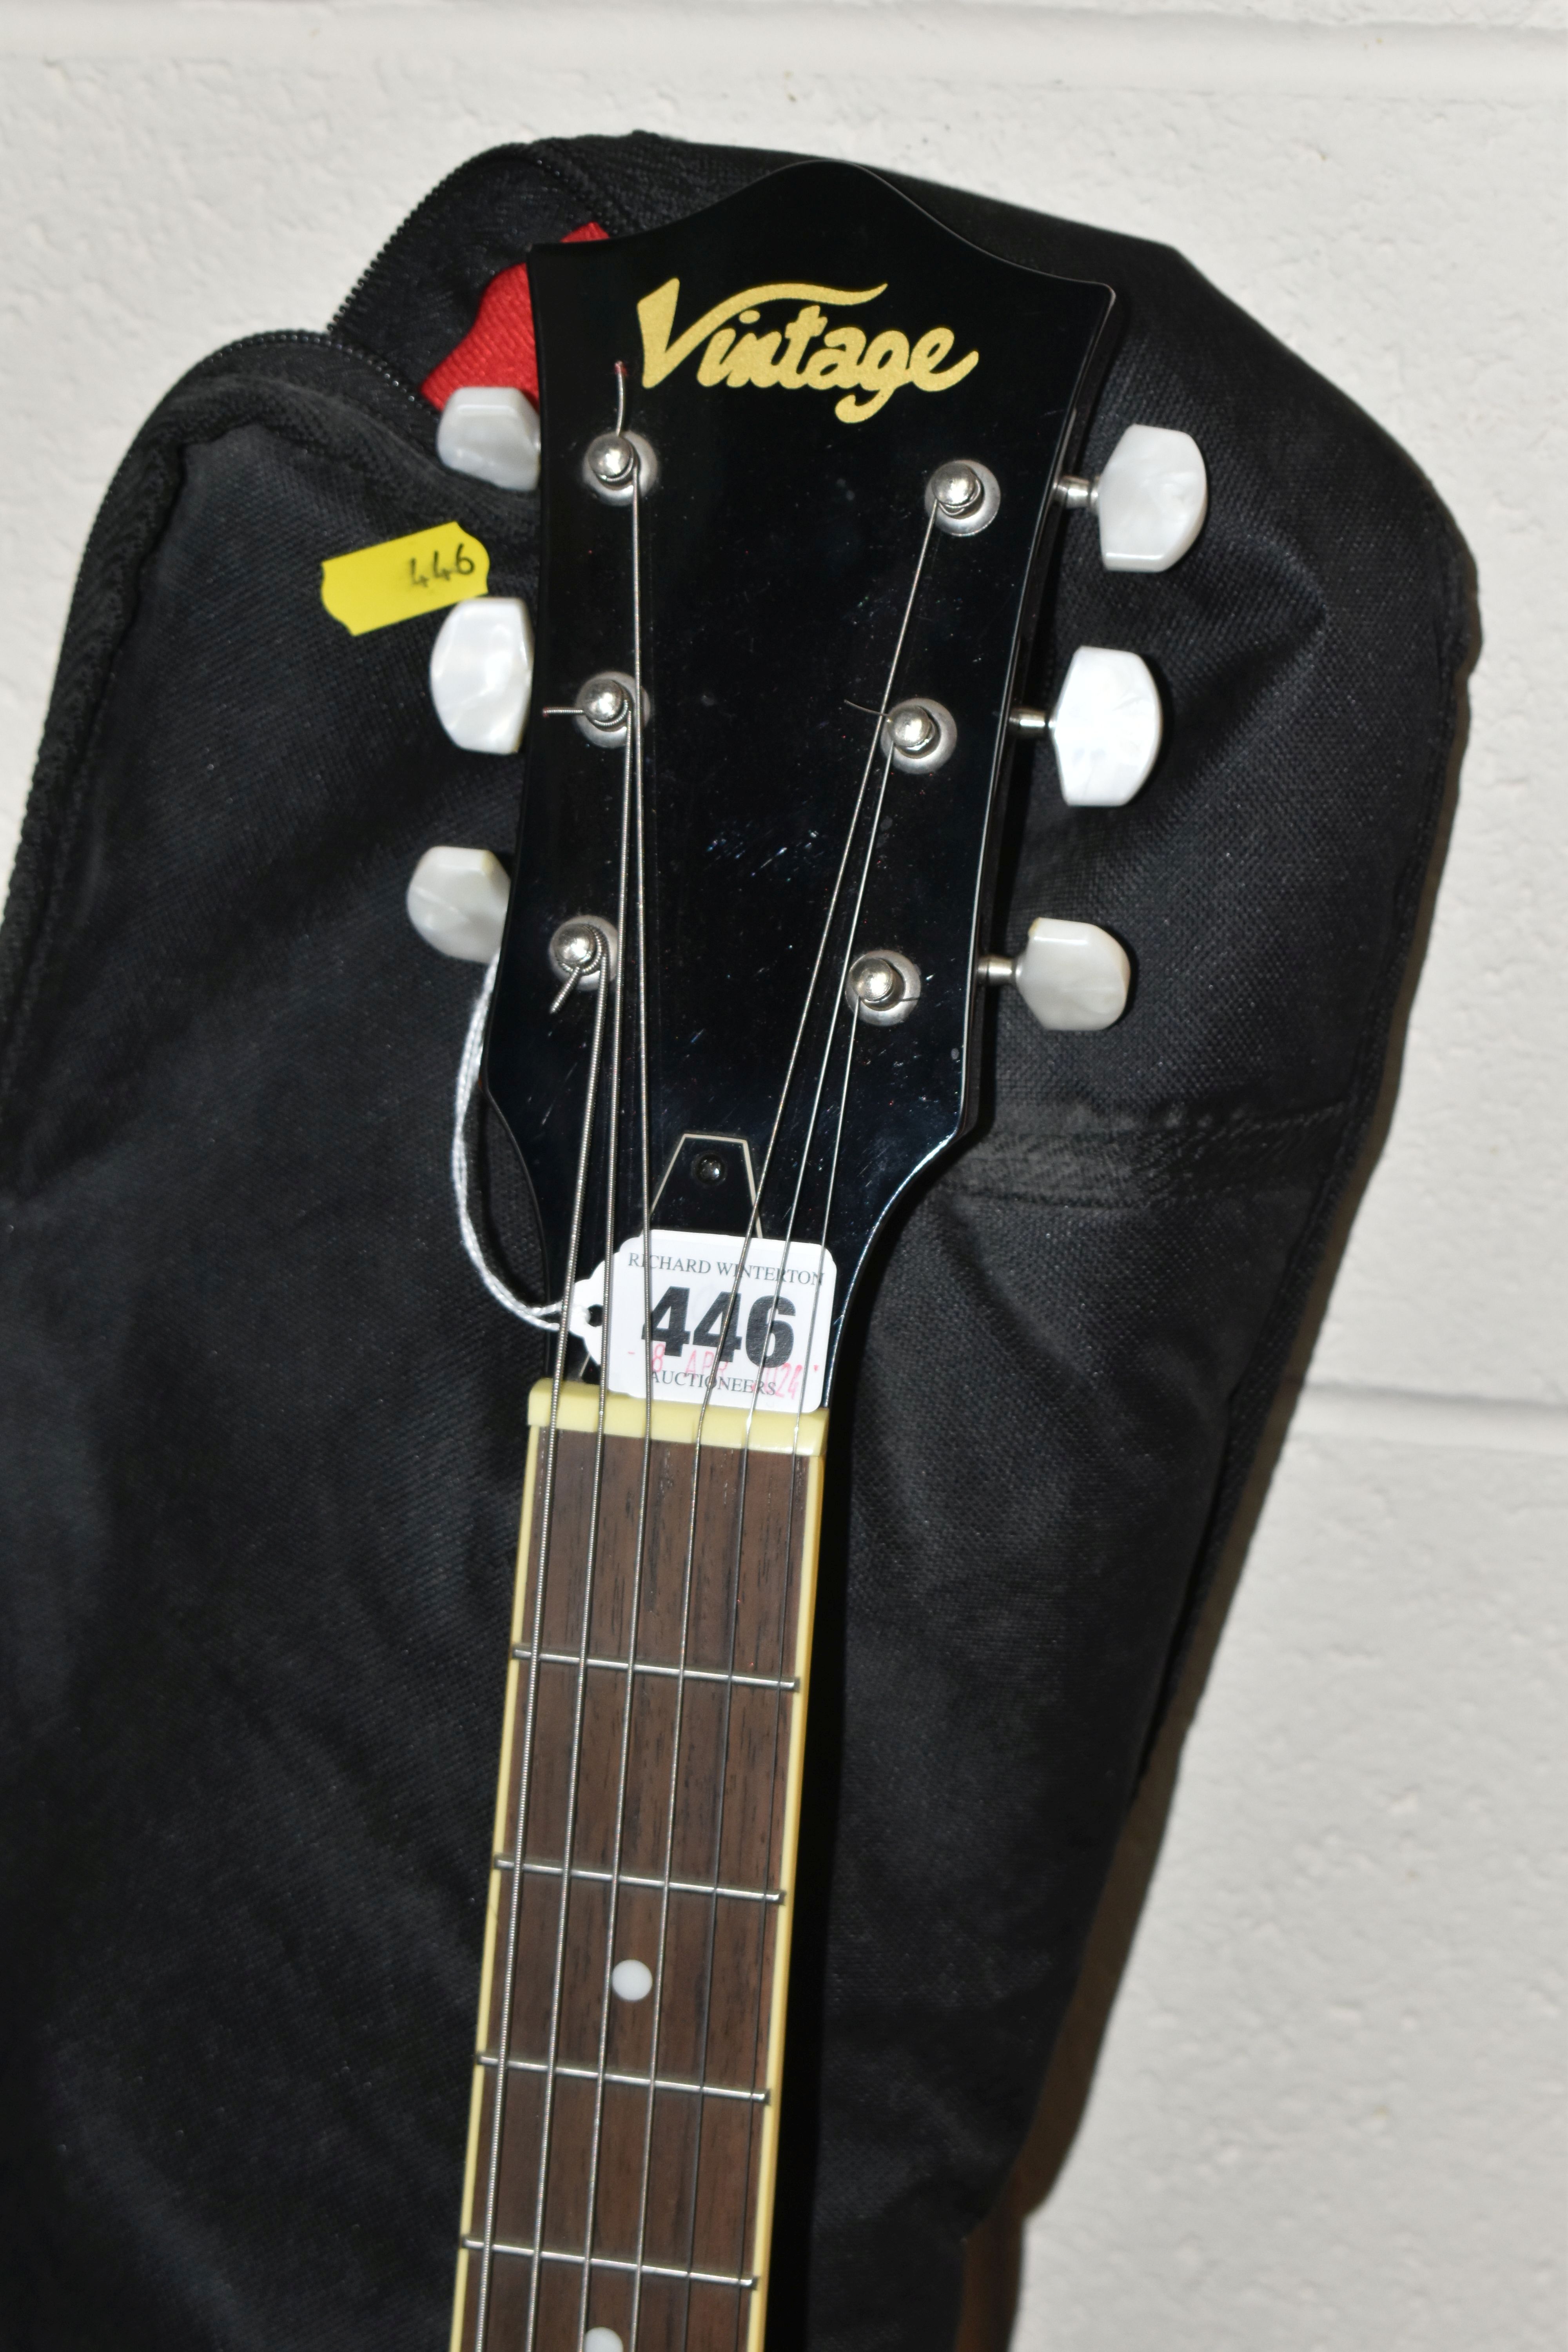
x=957 y=490
x=962 y=497
x=580 y=950
x=919 y=734
x=615 y=463
x=603 y=709
x=882 y=987
x=913 y=729
x=606 y=703
x=612 y=459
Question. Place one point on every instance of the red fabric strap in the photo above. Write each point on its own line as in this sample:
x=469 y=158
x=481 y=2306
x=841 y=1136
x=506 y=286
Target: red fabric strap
x=498 y=346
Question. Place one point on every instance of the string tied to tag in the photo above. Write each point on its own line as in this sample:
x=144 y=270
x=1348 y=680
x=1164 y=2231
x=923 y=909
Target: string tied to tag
x=542 y=1318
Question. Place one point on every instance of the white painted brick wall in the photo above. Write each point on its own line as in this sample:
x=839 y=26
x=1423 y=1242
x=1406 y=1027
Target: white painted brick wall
x=1330 y=2111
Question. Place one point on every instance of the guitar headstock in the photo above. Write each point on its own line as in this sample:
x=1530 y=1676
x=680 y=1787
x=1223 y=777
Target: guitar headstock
x=799 y=460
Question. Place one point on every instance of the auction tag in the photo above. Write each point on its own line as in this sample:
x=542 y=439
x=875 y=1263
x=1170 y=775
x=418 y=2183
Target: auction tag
x=766 y=1337
x=400 y=577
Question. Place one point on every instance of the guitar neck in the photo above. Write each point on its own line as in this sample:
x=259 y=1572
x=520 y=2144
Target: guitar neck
x=788 y=1074
x=636 y=1945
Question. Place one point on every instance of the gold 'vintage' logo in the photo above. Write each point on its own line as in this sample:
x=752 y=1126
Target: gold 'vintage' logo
x=842 y=362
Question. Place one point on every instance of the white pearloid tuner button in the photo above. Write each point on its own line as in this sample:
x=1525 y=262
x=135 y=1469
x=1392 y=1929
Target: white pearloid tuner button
x=1070 y=976
x=491 y=431
x=482 y=671
x=1105 y=728
x=457 y=902
x=1150 y=503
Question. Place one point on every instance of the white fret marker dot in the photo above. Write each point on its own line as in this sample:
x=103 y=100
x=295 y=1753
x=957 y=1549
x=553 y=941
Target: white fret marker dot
x=603 y=2339
x=633 y=1982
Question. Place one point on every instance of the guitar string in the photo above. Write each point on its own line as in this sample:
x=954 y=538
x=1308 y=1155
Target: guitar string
x=782 y=1665
x=800 y=1407
x=546 y=1515
x=772 y=1319
x=811 y=1130
x=853 y=829
x=723 y=1324
x=632 y=775
x=589 y=1580
x=687 y=1572
x=544 y=1318
x=776 y=1820
x=839 y=1002
x=635 y=1603
x=752 y=1226
x=789 y=1519
x=579 y=1707
x=787 y=1576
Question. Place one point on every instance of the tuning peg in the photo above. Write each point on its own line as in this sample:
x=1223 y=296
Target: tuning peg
x=1105 y=728
x=457 y=902
x=1070 y=976
x=491 y=431
x=1149 y=501
x=482 y=671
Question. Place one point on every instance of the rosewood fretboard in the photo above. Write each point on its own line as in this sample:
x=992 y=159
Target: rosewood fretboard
x=670 y=2108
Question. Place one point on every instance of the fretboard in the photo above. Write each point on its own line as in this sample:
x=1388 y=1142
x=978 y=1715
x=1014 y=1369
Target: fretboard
x=670 y=1834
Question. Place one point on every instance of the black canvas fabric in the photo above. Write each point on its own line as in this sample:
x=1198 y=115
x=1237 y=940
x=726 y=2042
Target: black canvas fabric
x=261 y=1431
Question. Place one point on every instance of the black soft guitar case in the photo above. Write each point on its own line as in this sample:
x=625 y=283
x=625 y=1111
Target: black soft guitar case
x=261 y=1431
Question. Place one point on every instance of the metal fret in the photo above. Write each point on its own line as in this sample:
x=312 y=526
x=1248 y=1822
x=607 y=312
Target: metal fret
x=613 y=2263
x=657 y=1886
x=647 y=1667
x=629 y=2081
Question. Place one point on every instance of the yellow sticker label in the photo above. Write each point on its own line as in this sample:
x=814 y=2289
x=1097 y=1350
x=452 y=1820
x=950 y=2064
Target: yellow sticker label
x=417 y=573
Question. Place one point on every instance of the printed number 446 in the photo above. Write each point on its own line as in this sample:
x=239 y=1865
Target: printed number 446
x=717 y=1328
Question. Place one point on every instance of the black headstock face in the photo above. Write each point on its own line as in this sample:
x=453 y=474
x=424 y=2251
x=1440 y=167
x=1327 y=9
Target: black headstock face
x=793 y=587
